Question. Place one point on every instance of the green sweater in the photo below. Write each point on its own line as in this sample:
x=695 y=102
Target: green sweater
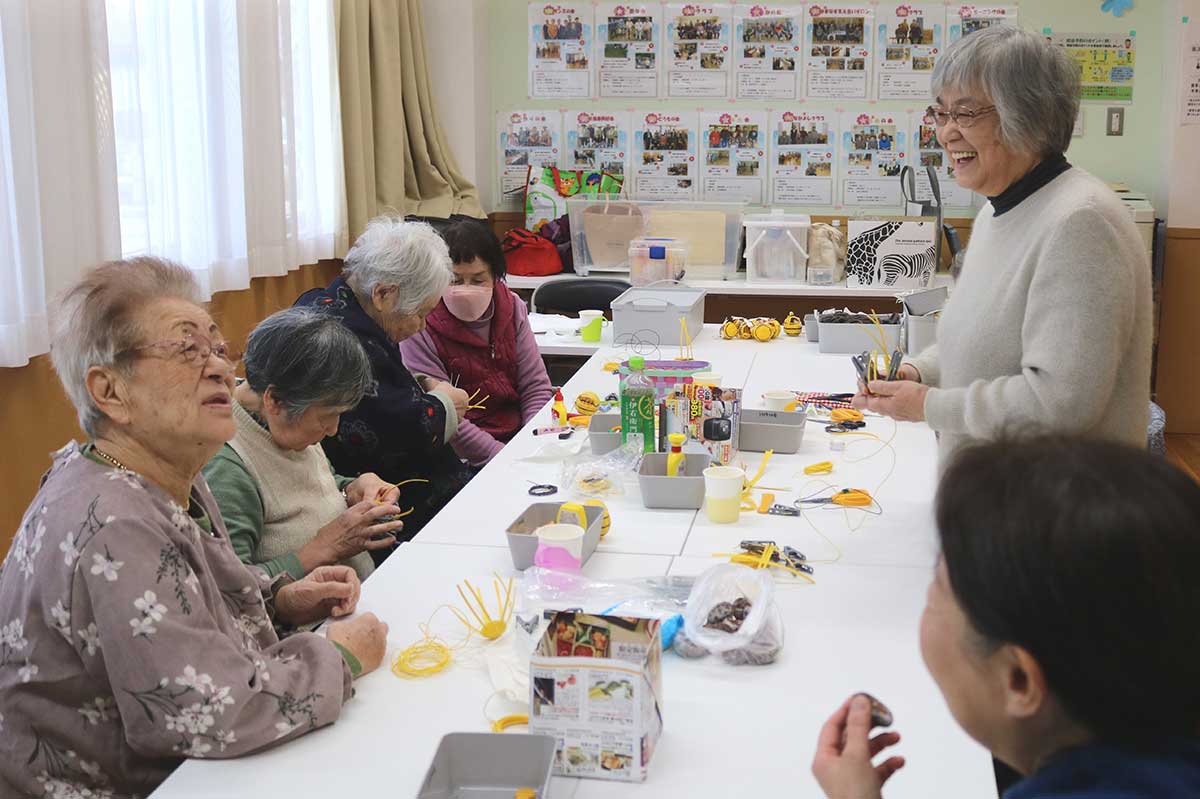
x=242 y=508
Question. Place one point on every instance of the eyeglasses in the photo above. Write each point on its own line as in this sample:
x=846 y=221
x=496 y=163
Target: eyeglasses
x=963 y=117
x=193 y=349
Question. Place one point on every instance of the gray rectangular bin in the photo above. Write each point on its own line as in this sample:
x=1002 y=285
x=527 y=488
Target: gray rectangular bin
x=781 y=431
x=600 y=436
x=651 y=314
x=684 y=491
x=522 y=538
x=484 y=765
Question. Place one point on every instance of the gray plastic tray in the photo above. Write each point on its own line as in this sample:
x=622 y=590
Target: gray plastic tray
x=684 y=491
x=600 y=437
x=851 y=338
x=484 y=765
x=522 y=541
x=811 y=331
x=781 y=431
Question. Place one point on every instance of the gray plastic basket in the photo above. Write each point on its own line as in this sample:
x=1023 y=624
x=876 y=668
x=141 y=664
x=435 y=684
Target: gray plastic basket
x=851 y=338
x=600 y=435
x=651 y=314
x=484 y=765
x=684 y=491
x=522 y=538
x=781 y=431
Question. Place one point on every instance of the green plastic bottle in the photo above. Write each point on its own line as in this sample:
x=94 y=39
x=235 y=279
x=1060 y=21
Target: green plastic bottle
x=637 y=404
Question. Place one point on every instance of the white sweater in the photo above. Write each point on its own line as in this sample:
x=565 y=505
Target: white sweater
x=1050 y=323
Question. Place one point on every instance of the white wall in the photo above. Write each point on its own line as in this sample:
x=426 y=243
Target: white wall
x=457 y=41
x=1182 y=150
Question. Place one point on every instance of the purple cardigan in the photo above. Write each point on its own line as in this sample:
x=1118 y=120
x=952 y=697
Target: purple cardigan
x=533 y=384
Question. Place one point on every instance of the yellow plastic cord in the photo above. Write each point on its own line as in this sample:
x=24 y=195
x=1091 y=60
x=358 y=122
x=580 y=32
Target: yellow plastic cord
x=422 y=659
x=762 y=561
x=824 y=467
x=748 y=502
x=838 y=415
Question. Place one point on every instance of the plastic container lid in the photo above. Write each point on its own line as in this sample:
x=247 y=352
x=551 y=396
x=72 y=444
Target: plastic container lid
x=777 y=219
x=658 y=251
x=637 y=363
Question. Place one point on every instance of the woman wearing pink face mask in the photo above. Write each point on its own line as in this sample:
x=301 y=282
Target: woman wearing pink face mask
x=479 y=334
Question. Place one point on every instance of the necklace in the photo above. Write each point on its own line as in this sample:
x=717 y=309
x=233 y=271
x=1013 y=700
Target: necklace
x=104 y=456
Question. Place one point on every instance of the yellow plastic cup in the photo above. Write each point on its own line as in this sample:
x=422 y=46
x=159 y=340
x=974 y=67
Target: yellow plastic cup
x=723 y=493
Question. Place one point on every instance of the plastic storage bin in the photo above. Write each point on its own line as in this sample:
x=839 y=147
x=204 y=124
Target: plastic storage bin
x=781 y=431
x=851 y=338
x=655 y=259
x=776 y=247
x=483 y=765
x=651 y=314
x=522 y=538
x=684 y=491
x=601 y=438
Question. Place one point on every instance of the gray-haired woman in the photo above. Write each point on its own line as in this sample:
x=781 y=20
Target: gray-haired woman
x=285 y=509
x=131 y=636
x=1049 y=325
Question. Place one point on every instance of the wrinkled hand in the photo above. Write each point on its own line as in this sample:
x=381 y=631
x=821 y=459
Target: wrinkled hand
x=355 y=529
x=457 y=396
x=366 y=638
x=844 y=770
x=371 y=487
x=902 y=400
x=326 y=591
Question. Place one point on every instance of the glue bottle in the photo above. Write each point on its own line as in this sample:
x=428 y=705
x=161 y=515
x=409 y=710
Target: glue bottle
x=559 y=409
x=637 y=405
x=675 y=457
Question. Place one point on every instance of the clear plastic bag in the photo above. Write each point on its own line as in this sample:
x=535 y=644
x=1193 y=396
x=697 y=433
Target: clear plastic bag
x=597 y=477
x=728 y=583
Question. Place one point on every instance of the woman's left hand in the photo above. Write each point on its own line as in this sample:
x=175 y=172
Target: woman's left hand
x=902 y=400
x=371 y=486
x=326 y=591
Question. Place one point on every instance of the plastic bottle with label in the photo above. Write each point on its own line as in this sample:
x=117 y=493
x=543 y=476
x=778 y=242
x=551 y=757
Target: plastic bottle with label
x=637 y=404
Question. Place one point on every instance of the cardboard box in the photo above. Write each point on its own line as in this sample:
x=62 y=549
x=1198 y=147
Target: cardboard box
x=596 y=688
x=708 y=415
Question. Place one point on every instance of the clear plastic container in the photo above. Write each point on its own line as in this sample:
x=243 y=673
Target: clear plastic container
x=776 y=246
x=655 y=259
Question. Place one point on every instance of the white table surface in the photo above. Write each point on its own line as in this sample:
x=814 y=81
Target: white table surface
x=747 y=731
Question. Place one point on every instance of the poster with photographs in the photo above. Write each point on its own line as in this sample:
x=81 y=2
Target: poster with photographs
x=766 y=51
x=874 y=150
x=664 y=155
x=699 y=63
x=961 y=20
x=560 y=50
x=733 y=155
x=838 y=51
x=597 y=140
x=527 y=139
x=1105 y=65
x=910 y=37
x=803 y=157
x=929 y=153
x=628 y=48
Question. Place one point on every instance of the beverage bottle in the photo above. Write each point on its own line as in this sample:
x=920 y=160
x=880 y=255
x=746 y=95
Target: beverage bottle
x=637 y=404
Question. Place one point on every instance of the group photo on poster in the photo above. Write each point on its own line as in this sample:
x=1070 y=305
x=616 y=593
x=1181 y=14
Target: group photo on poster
x=930 y=153
x=597 y=140
x=699 y=62
x=873 y=153
x=664 y=158
x=560 y=46
x=733 y=155
x=838 y=52
x=526 y=139
x=964 y=20
x=627 y=49
x=767 y=62
x=803 y=157
x=909 y=40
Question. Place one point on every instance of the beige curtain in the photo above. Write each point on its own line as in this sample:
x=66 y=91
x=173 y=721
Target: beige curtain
x=397 y=157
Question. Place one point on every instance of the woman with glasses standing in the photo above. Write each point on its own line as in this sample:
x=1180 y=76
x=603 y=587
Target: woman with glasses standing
x=1049 y=325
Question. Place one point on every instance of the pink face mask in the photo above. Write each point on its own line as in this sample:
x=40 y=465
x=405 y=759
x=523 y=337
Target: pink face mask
x=467 y=303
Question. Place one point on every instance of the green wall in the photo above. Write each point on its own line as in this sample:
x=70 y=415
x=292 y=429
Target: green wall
x=1135 y=158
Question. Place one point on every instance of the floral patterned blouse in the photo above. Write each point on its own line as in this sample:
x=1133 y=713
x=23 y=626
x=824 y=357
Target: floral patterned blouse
x=131 y=637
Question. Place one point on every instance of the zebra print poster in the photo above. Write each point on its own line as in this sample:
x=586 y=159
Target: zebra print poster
x=891 y=252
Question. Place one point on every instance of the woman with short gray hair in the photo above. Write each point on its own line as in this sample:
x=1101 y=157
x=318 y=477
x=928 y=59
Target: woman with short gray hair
x=285 y=508
x=1049 y=325
x=394 y=277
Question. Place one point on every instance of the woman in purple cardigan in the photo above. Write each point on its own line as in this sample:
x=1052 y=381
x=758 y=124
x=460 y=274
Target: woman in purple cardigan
x=479 y=336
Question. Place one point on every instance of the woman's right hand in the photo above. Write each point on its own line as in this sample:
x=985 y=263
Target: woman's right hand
x=845 y=748
x=905 y=372
x=355 y=529
x=364 y=636
x=459 y=398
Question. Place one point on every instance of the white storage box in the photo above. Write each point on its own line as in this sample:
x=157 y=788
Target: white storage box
x=651 y=314
x=776 y=247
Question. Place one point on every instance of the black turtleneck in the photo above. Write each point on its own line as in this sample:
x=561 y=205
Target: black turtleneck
x=1034 y=179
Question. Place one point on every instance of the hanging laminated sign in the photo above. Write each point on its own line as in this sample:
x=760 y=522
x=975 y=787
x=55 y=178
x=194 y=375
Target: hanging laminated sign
x=1105 y=65
x=597 y=140
x=931 y=153
x=873 y=152
x=698 y=57
x=962 y=20
x=910 y=38
x=560 y=47
x=664 y=155
x=527 y=139
x=766 y=43
x=627 y=49
x=802 y=157
x=733 y=150
x=838 y=51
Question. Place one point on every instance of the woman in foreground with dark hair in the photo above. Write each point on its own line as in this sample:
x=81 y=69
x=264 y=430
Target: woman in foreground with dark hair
x=1061 y=625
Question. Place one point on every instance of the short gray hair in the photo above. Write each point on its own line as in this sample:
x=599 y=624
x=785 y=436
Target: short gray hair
x=99 y=318
x=408 y=255
x=1033 y=84
x=307 y=357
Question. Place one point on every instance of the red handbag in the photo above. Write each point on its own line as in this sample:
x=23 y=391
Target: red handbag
x=530 y=255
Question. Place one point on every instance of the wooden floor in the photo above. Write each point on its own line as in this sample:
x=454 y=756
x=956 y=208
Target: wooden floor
x=1184 y=452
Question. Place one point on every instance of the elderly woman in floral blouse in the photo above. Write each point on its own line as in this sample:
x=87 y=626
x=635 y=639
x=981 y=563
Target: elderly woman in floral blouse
x=131 y=636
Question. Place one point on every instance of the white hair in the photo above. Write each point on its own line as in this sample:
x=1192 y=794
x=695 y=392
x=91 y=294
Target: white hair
x=97 y=320
x=408 y=255
x=1033 y=84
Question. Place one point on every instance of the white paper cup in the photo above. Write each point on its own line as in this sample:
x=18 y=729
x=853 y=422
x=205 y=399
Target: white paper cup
x=707 y=379
x=560 y=546
x=778 y=400
x=723 y=493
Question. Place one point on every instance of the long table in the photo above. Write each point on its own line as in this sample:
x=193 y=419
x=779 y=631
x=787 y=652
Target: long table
x=744 y=731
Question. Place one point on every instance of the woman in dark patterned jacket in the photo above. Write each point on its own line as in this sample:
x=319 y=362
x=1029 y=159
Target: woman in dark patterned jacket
x=393 y=278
